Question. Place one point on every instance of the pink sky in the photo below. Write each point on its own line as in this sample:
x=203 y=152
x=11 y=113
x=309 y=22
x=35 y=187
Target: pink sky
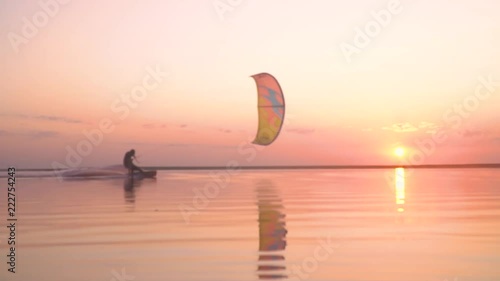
x=407 y=83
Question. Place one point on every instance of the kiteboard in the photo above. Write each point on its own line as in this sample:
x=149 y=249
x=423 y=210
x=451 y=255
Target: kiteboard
x=105 y=173
x=145 y=175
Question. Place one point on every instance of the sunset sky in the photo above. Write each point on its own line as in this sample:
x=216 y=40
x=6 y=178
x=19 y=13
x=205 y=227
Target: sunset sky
x=424 y=72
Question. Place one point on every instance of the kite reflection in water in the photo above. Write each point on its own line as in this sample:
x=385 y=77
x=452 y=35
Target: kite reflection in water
x=272 y=232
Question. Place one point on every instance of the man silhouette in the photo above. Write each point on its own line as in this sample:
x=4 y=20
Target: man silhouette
x=129 y=164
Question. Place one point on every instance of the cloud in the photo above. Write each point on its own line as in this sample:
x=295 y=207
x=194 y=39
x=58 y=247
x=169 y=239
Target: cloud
x=162 y=126
x=45 y=118
x=198 y=145
x=221 y=146
x=42 y=134
x=406 y=127
x=424 y=125
x=57 y=118
x=431 y=128
x=495 y=141
x=476 y=134
x=154 y=126
x=302 y=131
x=472 y=133
x=178 y=144
x=37 y=134
x=401 y=128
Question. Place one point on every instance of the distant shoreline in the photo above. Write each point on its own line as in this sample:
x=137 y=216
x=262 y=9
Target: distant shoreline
x=311 y=167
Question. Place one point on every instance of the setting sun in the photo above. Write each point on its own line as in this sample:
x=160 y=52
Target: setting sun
x=399 y=151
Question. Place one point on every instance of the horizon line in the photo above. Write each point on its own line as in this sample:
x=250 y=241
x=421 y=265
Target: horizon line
x=305 y=167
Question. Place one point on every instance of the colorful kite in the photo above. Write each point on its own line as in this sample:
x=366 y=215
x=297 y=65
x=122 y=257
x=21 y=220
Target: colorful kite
x=271 y=106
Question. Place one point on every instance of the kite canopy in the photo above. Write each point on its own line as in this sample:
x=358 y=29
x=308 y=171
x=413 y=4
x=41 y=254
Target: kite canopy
x=271 y=106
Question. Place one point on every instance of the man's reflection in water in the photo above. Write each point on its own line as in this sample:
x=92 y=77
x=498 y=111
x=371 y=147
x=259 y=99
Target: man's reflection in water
x=129 y=186
x=272 y=232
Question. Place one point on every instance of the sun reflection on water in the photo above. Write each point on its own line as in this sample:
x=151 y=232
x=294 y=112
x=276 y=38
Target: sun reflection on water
x=400 y=189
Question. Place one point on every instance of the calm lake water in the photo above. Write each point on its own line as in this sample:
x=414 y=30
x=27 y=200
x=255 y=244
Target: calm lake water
x=424 y=225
